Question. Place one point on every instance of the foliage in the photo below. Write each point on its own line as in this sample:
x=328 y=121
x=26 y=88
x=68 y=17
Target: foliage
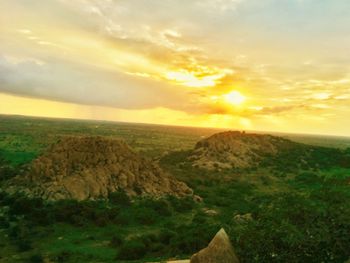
x=132 y=249
x=294 y=226
x=119 y=198
x=36 y=258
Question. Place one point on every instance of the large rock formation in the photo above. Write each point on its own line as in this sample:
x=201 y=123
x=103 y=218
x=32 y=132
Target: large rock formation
x=92 y=167
x=219 y=250
x=234 y=149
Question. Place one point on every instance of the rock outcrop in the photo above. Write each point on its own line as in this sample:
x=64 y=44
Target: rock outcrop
x=241 y=219
x=92 y=167
x=234 y=149
x=219 y=250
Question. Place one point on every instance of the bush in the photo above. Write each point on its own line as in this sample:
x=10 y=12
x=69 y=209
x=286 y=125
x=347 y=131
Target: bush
x=113 y=213
x=119 y=198
x=181 y=205
x=101 y=219
x=36 y=258
x=145 y=216
x=123 y=218
x=199 y=218
x=63 y=256
x=161 y=207
x=307 y=177
x=132 y=250
x=19 y=231
x=73 y=212
x=4 y=222
x=7 y=172
x=23 y=245
x=165 y=236
x=116 y=241
x=148 y=240
x=24 y=206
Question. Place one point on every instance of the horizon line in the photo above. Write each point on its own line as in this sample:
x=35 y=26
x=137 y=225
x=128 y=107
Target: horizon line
x=172 y=125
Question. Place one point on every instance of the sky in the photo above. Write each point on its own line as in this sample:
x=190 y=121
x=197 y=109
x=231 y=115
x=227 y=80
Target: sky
x=268 y=65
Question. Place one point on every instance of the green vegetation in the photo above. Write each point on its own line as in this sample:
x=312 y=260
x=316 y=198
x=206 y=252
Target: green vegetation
x=298 y=203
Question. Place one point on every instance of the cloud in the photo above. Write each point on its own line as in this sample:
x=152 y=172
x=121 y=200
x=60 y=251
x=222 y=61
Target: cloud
x=219 y=5
x=254 y=111
x=69 y=82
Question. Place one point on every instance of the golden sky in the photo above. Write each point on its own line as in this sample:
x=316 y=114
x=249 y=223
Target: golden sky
x=273 y=65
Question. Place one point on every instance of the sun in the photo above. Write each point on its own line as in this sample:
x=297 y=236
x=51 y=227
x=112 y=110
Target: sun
x=234 y=98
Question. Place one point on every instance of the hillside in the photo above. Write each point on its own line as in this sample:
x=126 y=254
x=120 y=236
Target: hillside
x=234 y=149
x=92 y=167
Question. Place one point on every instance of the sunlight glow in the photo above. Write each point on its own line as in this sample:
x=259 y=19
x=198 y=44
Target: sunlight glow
x=234 y=98
x=191 y=80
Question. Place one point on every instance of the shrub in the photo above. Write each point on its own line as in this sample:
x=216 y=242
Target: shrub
x=101 y=221
x=24 y=206
x=199 y=218
x=4 y=222
x=23 y=245
x=181 y=205
x=166 y=235
x=161 y=207
x=13 y=232
x=119 y=198
x=307 y=177
x=148 y=240
x=145 y=216
x=113 y=213
x=132 y=250
x=7 y=172
x=36 y=258
x=63 y=256
x=116 y=241
x=73 y=212
x=123 y=218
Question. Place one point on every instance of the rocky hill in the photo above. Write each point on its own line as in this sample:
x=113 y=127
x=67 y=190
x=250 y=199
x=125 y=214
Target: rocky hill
x=92 y=167
x=234 y=149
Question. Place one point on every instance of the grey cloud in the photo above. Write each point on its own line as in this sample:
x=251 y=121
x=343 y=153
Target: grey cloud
x=68 y=82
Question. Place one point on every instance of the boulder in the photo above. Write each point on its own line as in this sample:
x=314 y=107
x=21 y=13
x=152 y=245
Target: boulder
x=219 y=250
x=210 y=212
x=243 y=218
